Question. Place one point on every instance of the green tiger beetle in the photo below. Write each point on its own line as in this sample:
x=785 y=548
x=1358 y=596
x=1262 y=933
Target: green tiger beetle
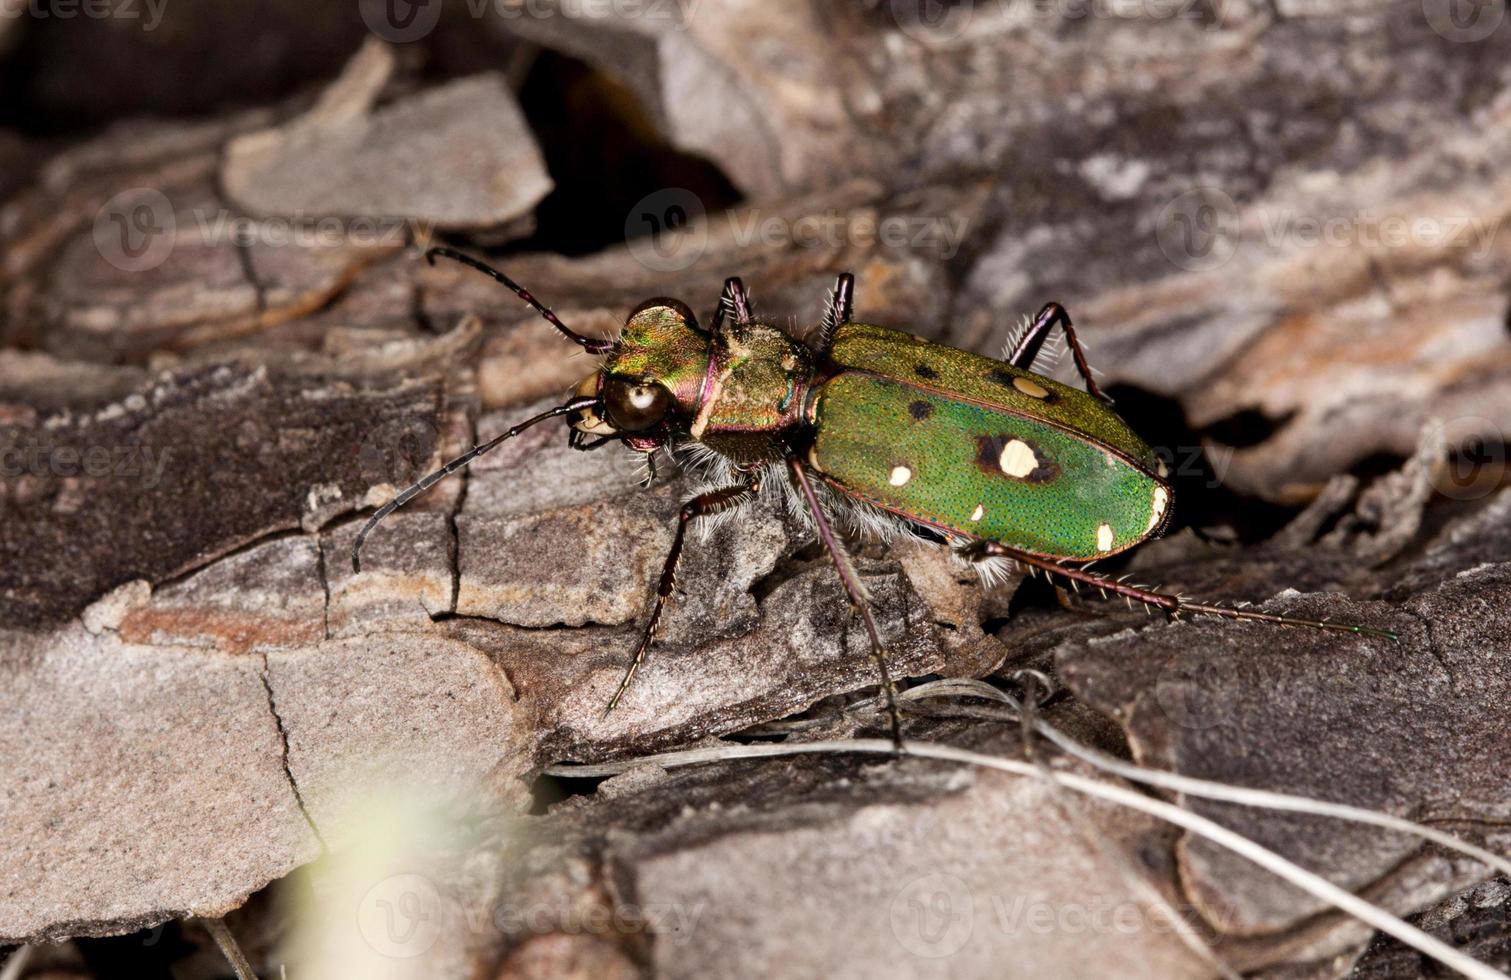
x=873 y=430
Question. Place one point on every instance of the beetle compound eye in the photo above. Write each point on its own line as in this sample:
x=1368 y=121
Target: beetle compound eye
x=635 y=405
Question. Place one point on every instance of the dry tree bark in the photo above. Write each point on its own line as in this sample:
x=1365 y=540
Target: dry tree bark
x=1280 y=233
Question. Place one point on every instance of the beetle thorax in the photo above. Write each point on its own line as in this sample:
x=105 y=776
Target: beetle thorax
x=754 y=390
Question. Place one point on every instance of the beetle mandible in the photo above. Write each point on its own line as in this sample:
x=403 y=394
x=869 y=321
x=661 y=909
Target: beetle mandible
x=875 y=430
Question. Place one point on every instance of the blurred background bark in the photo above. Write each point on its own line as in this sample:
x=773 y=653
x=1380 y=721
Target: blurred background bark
x=1278 y=226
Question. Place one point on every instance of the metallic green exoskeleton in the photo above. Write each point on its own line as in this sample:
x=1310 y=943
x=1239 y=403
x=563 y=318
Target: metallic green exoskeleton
x=878 y=428
x=980 y=449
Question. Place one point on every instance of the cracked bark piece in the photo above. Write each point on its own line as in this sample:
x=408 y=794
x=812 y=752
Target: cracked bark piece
x=397 y=717
x=193 y=465
x=553 y=541
x=145 y=785
x=1475 y=921
x=958 y=603
x=845 y=866
x=407 y=576
x=804 y=648
x=195 y=272
x=1408 y=728
x=1474 y=539
x=537 y=516
x=269 y=596
x=458 y=156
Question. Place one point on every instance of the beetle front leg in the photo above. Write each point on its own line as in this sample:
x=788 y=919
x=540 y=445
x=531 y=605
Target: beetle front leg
x=853 y=587
x=1032 y=341
x=581 y=442
x=703 y=505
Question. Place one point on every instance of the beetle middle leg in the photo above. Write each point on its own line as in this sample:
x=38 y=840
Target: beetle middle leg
x=1032 y=341
x=703 y=505
x=853 y=587
x=837 y=313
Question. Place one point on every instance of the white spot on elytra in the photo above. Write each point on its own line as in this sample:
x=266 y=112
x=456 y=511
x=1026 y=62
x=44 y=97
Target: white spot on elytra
x=978 y=513
x=1030 y=388
x=900 y=475
x=1018 y=459
x=1161 y=501
x=1104 y=536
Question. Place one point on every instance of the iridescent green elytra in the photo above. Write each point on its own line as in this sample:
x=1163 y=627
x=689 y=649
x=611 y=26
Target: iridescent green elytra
x=979 y=448
x=873 y=425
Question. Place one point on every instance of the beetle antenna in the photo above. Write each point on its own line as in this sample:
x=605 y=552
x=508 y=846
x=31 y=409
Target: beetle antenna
x=411 y=492
x=590 y=344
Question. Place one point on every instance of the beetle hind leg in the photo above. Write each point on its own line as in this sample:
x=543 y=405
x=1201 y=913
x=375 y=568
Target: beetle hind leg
x=1028 y=346
x=1173 y=605
x=993 y=570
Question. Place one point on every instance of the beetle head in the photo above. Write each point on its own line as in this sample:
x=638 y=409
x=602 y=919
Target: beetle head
x=653 y=378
